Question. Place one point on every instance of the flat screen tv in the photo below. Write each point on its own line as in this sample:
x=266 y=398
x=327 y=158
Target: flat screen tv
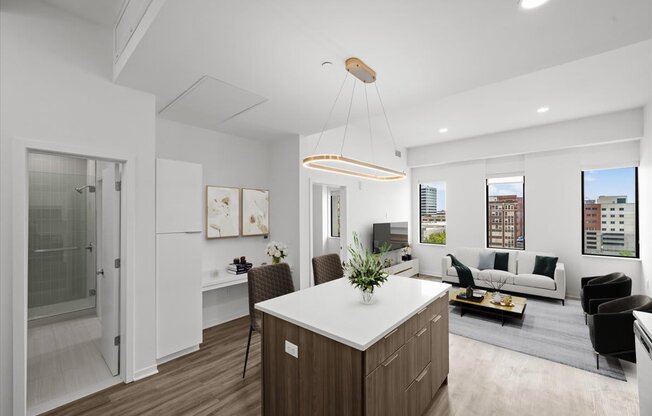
x=393 y=233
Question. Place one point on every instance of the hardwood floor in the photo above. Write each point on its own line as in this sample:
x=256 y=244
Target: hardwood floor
x=483 y=380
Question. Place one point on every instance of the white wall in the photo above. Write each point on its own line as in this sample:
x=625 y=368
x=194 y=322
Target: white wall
x=645 y=197
x=241 y=163
x=366 y=201
x=54 y=87
x=552 y=206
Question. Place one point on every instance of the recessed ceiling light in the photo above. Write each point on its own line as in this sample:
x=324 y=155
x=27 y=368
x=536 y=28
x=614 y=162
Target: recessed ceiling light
x=443 y=130
x=543 y=110
x=531 y=4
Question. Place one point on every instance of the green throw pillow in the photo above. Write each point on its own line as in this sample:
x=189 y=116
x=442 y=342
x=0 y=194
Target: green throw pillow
x=545 y=266
x=501 y=261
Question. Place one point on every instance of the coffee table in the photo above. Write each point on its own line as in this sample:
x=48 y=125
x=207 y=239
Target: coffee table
x=485 y=306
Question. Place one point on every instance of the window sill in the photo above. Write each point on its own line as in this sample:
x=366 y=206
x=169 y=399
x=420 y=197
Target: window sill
x=431 y=245
x=634 y=259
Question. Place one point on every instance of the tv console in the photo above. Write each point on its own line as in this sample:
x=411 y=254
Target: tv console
x=404 y=268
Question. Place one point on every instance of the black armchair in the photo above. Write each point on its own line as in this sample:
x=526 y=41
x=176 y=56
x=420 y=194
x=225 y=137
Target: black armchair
x=612 y=327
x=599 y=289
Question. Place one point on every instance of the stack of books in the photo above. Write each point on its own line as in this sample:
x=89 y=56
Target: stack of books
x=239 y=268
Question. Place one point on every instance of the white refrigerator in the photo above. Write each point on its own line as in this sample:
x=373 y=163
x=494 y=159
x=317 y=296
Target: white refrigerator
x=178 y=256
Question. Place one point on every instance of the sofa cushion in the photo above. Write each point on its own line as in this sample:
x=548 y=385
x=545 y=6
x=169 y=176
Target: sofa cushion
x=487 y=259
x=527 y=259
x=453 y=272
x=470 y=257
x=496 y=276
x=535 y=280
x=545 y=266
x=501 y=261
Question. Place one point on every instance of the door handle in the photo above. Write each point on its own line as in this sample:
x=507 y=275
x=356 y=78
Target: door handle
x=89 y=247
x=100 y=273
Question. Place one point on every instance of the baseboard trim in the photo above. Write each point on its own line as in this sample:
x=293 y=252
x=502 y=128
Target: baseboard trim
x=228 y=318
x=145 y=372
x=177 y=354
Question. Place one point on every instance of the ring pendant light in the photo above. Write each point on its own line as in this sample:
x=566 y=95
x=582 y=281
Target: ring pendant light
x=341 y=164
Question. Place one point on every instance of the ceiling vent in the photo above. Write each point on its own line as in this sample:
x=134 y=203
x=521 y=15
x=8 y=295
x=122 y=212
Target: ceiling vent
x=210 y=102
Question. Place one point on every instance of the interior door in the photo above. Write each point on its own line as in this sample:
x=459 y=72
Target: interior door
x=109 y=281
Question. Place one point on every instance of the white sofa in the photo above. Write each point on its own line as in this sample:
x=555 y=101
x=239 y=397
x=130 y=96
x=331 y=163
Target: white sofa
x=520 y=278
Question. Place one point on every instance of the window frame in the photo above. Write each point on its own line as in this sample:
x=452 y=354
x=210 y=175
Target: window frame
x=637 y=253
x=488 y=221
x=421 y=215
x=330 y=215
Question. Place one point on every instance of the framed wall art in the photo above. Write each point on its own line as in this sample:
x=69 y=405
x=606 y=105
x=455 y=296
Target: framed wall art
x=255 y=212
x=222 y=212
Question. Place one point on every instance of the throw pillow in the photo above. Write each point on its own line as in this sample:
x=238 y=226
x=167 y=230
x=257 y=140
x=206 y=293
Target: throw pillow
x=487 y=260
x=501 y=261
x=545 y=266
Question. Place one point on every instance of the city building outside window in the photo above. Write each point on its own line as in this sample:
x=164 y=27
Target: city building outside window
x=607 y=191
x=506 y=212
x=432 y=213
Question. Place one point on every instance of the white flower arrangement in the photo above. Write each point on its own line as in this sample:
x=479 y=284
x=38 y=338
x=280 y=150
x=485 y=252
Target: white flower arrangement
x=277 y=251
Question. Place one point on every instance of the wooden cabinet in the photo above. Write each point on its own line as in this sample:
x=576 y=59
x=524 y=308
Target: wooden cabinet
x=385 y=347
x=418 y=352
x=439 y=345
x=385 y=386
x=418 y=395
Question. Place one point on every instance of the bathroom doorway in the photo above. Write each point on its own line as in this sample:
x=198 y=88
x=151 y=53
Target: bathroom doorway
x=73 y=278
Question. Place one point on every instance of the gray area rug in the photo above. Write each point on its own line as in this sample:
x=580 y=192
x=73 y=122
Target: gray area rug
x=548 y=330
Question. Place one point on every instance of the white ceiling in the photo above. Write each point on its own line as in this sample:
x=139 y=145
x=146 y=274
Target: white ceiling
x=101 y=12
x=474 y=66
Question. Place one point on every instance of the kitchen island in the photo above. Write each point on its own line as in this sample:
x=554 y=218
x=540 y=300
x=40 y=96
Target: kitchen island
x=326 y=353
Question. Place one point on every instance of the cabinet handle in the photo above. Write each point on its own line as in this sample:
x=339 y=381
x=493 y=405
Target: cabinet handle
x=437 y=318
x=387 y=363
x=391 y=333
x=423 y=331
x=422 y=375
x=422 y=311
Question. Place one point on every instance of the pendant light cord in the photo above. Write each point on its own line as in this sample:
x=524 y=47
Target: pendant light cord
x=346 y=126
x=386 y=119
x=330 y=113
x=371 y=137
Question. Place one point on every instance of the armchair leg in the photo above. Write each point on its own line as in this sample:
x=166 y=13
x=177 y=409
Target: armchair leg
x=563 y=302
x=251 y=328
x=597 y=360
x=586 y=319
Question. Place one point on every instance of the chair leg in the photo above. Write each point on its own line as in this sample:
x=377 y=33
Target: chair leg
x=586 y=319
x=597 y=360
x=251 y=328
x=563 y=302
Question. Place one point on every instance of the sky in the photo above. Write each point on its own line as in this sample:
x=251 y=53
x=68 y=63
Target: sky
x=496 y=189
x=610 y=182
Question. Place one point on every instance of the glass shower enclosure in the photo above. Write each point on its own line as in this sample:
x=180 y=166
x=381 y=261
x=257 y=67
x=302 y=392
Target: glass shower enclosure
x=61 y=235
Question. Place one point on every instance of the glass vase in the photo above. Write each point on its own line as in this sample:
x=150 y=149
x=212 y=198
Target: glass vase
x=367 y=297
x=276 y=260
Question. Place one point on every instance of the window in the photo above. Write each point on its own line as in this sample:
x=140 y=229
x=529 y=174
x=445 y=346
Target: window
x=611 y=190
x=506 y=206
x=432 y=213
x=335 y=214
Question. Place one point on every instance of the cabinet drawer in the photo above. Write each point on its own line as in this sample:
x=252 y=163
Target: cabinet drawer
x=418 y=394
x=384 y=348
x=420 y=320
x=385 y=387
x=417 y=353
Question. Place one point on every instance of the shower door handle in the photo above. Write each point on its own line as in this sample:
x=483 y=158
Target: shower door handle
x=100 y=273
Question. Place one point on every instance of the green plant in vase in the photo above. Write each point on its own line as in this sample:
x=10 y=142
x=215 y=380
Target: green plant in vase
x=365 y=269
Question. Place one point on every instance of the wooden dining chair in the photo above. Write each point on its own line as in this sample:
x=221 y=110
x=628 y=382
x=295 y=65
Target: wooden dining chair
x=326 y=268
x=264 y=283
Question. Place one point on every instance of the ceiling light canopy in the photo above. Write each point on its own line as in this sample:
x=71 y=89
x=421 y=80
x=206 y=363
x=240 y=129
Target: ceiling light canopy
x=343 y=165
x=443 y=130
x=543 y=109
x=531 y=4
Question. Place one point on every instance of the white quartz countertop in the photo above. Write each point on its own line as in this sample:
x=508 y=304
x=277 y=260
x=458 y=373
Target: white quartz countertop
x=645 y=320
x=334 y=309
